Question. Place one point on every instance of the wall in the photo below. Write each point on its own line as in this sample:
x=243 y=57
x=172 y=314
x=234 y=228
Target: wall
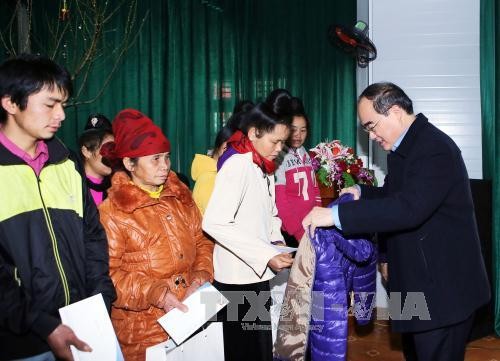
x=431 y=49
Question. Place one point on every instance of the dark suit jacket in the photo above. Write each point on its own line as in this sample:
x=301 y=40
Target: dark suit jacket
x=426 y=214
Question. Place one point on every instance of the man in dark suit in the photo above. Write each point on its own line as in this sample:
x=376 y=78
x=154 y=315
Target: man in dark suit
x=425 y=213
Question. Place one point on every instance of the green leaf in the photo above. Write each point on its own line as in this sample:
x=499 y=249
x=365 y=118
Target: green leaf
x=348 y=180
x=323 y=177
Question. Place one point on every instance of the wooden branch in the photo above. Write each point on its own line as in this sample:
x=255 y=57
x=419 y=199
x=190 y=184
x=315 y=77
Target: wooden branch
x=85 y=31
x=115 y=66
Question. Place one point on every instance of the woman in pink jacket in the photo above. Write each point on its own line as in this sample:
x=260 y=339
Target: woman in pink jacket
x=296 y=189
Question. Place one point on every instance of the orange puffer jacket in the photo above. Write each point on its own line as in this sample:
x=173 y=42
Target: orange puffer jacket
x=155 y=245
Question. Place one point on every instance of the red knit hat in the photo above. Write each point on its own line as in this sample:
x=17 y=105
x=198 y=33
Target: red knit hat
x=135 y=136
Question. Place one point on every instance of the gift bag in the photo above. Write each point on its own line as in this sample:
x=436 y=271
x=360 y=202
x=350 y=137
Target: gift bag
x=206 y=345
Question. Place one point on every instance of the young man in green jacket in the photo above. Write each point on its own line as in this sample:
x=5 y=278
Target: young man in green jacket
x=53 y=250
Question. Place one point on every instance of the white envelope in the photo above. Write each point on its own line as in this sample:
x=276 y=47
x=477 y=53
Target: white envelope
x=284 y=249
x=207 y=345
x=90 y=321
x=203 y=304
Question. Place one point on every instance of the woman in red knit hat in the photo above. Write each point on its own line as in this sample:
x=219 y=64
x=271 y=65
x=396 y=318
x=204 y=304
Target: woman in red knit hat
x=158 y=253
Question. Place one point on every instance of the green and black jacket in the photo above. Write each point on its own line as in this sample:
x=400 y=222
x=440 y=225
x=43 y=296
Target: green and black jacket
x=53 y=249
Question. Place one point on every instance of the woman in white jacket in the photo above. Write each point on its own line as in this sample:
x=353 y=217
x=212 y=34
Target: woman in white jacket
x=242 y=218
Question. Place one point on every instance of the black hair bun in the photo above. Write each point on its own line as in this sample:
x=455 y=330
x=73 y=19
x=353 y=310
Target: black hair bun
x=279 y=100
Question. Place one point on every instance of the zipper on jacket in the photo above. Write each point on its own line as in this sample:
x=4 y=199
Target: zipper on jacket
x=54 y=247
x=16 y=277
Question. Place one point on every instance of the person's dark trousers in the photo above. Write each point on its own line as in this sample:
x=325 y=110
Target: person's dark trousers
x=290 y=240
x=408 y=345
x=246 y=340
x=443 y=344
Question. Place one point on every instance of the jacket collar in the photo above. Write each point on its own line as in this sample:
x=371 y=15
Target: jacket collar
x=411 y=136
x=128 y=197
x=57 y=153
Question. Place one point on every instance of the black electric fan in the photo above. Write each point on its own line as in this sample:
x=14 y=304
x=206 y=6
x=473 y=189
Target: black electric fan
x=354 y=41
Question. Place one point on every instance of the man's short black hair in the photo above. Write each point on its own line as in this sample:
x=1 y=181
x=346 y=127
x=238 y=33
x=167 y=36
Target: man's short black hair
x=28 y=74
x=384 y=95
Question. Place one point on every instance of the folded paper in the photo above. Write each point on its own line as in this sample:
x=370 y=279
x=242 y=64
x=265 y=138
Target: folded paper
x=202 y=305
x=90 y=322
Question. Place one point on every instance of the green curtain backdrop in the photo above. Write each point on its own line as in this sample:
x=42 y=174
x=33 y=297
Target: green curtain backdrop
x=490 y=105
x=194 y=58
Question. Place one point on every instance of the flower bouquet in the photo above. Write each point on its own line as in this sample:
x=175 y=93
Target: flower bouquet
x=337 y=167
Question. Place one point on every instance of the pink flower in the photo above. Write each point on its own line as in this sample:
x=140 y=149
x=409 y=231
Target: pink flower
x=340 y=165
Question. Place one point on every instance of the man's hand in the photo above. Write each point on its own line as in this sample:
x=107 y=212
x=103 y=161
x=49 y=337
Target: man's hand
x=280 y=261
x=353 y=190
x=318 y=217
x=61 y=338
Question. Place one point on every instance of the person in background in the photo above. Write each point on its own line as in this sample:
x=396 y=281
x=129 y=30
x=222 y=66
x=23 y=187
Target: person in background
x=204 y=169
x=296 y=189
x=425 y=214
x=158 y=253
x=96 y=133
x=53 y=250
x=242 y=218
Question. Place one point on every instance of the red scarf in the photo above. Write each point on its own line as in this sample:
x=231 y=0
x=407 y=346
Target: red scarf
x=242 y=144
